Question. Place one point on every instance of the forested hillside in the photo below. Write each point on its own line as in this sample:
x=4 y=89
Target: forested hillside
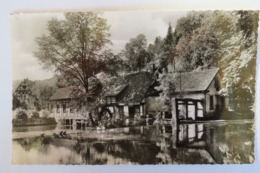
x=227 y=40
x=202 y=40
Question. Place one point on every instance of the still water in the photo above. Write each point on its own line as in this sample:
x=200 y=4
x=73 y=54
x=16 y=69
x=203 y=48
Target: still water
x=200 y=143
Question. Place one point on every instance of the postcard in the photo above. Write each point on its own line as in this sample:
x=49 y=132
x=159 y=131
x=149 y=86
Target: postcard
x=133 y=87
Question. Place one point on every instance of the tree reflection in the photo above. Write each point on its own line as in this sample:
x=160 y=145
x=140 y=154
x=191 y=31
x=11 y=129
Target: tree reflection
x=34 y=143
x=160 y=144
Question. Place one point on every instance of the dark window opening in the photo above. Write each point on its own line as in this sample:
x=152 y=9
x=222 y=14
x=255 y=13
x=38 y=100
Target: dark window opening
x=216 y=85
x=71 y=109
x=168 y=115
x=121 y=110
x=51 y=108
x=78 y=108
x=58 y=108
x=111 y=100
x=211 y=102
x=64 y=108
x=131 y=112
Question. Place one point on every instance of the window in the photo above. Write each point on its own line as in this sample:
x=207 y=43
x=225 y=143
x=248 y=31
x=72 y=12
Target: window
x=71 y=108
x=121 y=110
x=199 y=109
x=64 y=108
x=111 y=100
x=211 y=103
x=108 y=100
x=58 y=108
x=78 y=107
x=51 y=108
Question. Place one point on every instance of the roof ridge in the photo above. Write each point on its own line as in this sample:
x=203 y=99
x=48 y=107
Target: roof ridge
x=211 y=69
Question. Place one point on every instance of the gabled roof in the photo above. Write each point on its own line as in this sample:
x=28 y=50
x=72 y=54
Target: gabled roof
x=116 y=89
x=65 y=93
x=195 y=81
x=25 y=85
x=132 y=87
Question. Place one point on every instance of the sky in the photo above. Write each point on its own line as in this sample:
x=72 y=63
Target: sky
x=25 y=27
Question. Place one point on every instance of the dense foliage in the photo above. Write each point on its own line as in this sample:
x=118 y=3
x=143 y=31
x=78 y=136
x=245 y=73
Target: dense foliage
x=22 y=115
x=226 y=40
x=75 y=46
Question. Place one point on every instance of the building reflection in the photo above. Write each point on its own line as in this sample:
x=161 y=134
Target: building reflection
x=191 y=135
x=195 y=143
x=184 y=143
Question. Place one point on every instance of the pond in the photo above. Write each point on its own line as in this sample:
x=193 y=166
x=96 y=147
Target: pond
x=195 y=143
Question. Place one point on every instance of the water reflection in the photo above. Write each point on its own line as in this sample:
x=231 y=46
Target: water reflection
x=158 y=144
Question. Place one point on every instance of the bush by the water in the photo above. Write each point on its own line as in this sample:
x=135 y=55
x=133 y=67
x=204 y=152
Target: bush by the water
x=22 y=115
x=49 y=121
x=35 y=115
x=34 y=122
x=18 y=104
x=122 y=122
x=21 y=119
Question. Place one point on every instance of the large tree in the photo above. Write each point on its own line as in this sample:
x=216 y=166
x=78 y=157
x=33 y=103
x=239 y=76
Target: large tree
x=156 y=52
x=136 y=54
x=75 y=46
x=167 y=90
x=187 y=24
x=236 y=55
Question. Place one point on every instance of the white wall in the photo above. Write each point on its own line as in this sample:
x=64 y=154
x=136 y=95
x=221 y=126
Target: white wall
x=212 y=92
x=82 y=113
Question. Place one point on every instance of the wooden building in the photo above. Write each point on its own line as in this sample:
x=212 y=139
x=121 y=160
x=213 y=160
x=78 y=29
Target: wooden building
x=197 y=95
x=65 y=108
x=24 y=93
x=133 y=95
x=127 y=96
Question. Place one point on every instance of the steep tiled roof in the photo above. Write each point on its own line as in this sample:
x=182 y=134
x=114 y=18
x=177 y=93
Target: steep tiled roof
x=132 y=87
x=116 y=89
x=64 y=93
x=195 y=81
x=24 y=86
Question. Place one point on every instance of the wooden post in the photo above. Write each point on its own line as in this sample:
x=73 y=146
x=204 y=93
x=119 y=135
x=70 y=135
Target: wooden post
x=196 y=109
x=186 y=103
x=174 y=110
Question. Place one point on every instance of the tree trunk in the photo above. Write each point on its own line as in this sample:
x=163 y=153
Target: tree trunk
x=86 y=87
x=92 y=120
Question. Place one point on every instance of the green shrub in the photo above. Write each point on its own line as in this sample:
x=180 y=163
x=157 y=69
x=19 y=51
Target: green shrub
x=119 y=122
x=35 y=115
x=22 y=115
x=23 y=105
x=49 y=121
x=16 y=103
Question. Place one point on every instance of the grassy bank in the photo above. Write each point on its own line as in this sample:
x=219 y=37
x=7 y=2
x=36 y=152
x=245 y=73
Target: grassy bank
x=33 y=122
